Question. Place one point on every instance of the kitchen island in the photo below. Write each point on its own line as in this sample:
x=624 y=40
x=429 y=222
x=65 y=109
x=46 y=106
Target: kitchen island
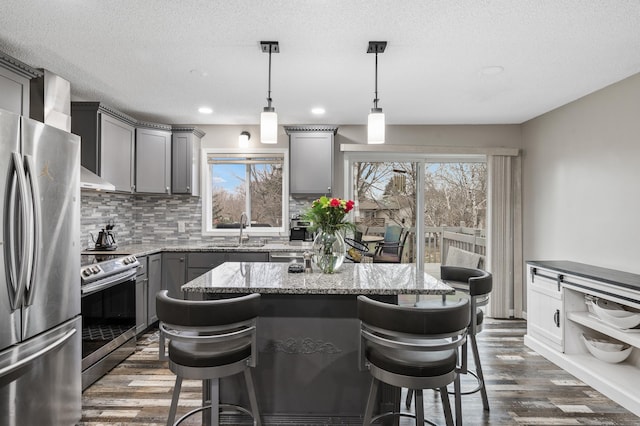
x=308 y=335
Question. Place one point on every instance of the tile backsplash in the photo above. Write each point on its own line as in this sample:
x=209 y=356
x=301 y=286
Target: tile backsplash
x=141 y=219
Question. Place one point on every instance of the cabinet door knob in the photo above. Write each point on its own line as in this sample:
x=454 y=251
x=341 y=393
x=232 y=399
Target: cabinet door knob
x=188 y=188
x=556 y=318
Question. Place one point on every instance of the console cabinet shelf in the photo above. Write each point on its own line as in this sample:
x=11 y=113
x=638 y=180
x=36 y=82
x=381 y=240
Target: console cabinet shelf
x=558 y=316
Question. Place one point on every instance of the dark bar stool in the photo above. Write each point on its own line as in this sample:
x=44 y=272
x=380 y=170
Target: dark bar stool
x=209 y=340
x=478 y=284
x=415 y=348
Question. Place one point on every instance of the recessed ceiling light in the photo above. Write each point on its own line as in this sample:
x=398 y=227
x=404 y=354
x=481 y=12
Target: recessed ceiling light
x=492 y=70
x=318 y=110
x=205 y=110
x=199 y=73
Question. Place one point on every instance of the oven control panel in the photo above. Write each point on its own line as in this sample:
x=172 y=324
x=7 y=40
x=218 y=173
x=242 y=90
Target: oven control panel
x=108 y=267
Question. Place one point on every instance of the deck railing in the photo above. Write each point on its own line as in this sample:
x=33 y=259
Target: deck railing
x=438 y=239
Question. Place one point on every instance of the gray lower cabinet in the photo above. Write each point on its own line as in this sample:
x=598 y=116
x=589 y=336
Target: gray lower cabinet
x=154 y=275
x=248 y=256
x=148 y=283
x=202 y=262
x=174 y=273
x=180 y=268
x=142 y=295
x=185 y=160
x=153 y=160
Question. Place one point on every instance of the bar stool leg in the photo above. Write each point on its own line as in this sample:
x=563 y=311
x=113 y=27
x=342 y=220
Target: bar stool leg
x=476 y=359
x=419 y=408
x=458 y=400
x=174 y=401
x=407 y=402
x=253 y=401
x=446 y=406
x=215 y=402
x=373 y=392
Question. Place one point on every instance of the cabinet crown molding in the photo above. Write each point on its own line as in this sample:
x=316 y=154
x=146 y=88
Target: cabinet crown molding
x=20 y=68
x=105 y=109
x=187 y=129
x=311 y=128
x=154 y=126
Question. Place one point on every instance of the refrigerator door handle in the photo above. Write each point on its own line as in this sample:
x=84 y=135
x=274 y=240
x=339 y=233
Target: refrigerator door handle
x=12 y=368
x=30 y=283
x=16 y=275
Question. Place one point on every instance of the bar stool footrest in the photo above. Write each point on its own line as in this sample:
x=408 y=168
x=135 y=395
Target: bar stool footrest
x=400 y=414
x=478 y=388
x=223 y=408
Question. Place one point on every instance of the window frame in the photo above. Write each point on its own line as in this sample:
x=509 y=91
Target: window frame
x=207 y=229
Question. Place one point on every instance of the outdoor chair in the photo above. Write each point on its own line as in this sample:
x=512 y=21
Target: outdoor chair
x=391 y=252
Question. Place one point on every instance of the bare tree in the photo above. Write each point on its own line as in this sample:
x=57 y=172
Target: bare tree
x=266 y=195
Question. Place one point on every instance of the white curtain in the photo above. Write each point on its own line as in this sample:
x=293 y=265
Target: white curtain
x=504 y=246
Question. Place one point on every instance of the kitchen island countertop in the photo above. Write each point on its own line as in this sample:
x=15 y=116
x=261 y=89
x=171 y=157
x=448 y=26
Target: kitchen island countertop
x=351 y=279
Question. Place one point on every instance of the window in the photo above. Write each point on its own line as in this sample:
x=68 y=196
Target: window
x=254 y=183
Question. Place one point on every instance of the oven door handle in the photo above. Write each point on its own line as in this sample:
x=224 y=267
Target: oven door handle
x=108 y=282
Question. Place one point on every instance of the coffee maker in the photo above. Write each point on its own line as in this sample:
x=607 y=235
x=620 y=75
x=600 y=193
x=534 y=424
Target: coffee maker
x=299 y=230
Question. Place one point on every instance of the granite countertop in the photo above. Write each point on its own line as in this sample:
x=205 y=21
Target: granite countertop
x=223 y=246
x=264 y=278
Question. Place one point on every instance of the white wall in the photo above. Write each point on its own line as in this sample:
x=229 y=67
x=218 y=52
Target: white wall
x=581 y=180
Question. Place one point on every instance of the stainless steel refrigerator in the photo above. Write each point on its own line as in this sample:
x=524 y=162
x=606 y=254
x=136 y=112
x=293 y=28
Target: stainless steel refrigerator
x=40 y=326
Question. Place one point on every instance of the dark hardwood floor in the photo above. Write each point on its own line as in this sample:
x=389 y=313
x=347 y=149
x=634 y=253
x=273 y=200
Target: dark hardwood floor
x=524 y=389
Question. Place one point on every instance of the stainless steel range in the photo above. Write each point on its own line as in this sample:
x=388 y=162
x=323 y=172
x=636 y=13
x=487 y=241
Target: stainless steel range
x=108 y=290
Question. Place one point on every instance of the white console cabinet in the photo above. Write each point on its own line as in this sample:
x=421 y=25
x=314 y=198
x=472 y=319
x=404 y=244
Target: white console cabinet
x=558 y=316
x=544 y=310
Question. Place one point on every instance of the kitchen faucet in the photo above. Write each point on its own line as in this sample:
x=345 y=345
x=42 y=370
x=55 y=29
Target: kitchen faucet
x=243 y=222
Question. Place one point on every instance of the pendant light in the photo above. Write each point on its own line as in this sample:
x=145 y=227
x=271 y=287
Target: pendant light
x=268 y=117
x=375 y=124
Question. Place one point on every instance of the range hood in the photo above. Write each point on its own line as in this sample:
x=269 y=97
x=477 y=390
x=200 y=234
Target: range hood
x=90 y=180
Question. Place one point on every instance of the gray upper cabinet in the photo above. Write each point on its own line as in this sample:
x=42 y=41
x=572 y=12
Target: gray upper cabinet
x=153 y=160
x=15 y=78
x=185 y=161
x=310 y=159
x=107 y=146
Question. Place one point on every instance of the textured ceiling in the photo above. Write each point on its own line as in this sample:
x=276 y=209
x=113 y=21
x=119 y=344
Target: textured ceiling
x=160 y=60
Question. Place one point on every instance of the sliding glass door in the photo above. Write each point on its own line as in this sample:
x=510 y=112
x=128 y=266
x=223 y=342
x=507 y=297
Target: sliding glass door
x=441 y=199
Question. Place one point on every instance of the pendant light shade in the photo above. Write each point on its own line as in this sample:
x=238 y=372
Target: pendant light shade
x=375 y=123
x=269 y=118
x=375 y=126
x=269 y=127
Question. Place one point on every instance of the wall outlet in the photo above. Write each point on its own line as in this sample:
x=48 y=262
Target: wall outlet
x=181 y=226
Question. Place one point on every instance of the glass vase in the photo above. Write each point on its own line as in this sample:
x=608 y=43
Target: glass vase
x=328 y=251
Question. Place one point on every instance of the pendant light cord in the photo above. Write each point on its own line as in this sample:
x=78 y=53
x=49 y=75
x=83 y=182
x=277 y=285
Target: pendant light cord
x=375 y=100
x=269 y=91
